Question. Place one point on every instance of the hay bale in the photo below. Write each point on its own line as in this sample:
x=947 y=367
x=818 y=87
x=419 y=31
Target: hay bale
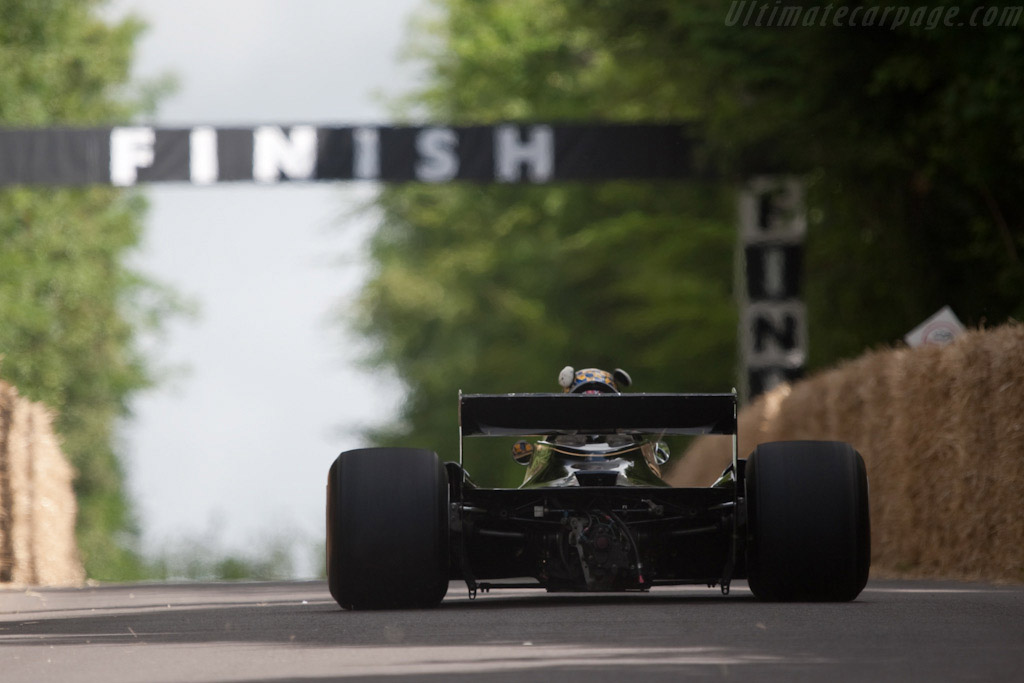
x=20 y=505
x=941 y=432
x=37 y=504
x=55 y=546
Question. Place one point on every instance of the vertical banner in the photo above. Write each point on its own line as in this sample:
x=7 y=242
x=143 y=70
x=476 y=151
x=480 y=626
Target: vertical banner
x=773 y=318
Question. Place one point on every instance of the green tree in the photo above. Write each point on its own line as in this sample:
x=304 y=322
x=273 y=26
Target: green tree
x=494 y=289
x=912 y=137
x=69 y=307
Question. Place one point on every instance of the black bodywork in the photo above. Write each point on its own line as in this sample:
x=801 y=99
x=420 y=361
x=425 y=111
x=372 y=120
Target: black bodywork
x=593 y=512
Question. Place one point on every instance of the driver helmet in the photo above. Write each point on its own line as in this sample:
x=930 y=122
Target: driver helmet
x=592 y=380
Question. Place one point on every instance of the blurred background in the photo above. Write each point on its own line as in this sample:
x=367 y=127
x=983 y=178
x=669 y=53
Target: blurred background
x=227 y=457
x=210 y=350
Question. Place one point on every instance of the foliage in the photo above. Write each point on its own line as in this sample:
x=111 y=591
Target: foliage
x=201 y=560
x=911 y=138
x=494 y=289
x=69 y=308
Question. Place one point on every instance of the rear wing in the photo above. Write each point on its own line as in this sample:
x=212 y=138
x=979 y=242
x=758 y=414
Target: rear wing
x=545 y=414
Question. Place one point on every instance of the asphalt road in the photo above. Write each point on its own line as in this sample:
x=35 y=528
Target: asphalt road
x=896 y=631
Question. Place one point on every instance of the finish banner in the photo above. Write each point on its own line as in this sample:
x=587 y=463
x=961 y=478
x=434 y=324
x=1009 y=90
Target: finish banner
x=204 y=155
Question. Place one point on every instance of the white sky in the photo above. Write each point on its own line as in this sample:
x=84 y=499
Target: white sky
x=235 y=450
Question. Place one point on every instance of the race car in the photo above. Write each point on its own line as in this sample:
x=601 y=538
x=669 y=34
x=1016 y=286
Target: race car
x=593 y=512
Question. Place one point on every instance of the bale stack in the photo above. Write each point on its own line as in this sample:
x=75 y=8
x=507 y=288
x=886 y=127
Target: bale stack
x=37 y=504
x=941 y=430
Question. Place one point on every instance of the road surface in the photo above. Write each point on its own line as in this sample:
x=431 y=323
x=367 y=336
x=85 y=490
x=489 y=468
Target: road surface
x=896 y=631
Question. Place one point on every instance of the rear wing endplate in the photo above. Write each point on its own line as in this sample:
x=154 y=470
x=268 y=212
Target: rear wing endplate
x=546 y=414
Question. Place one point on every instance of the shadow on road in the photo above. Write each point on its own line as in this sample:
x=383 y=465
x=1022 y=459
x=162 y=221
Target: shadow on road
x=242 y=613
x=895 y=632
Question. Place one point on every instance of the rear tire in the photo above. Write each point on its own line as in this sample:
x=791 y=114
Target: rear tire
x=387 y=529
x=809 y=534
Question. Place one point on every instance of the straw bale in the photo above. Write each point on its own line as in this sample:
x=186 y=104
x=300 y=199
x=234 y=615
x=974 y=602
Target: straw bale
x=55 y=547
x=37 y=504
x=19 y=472
x=942 y=433
x=6 y=502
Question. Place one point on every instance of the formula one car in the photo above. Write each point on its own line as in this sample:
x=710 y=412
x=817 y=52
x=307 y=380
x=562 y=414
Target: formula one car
x=593 y=512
